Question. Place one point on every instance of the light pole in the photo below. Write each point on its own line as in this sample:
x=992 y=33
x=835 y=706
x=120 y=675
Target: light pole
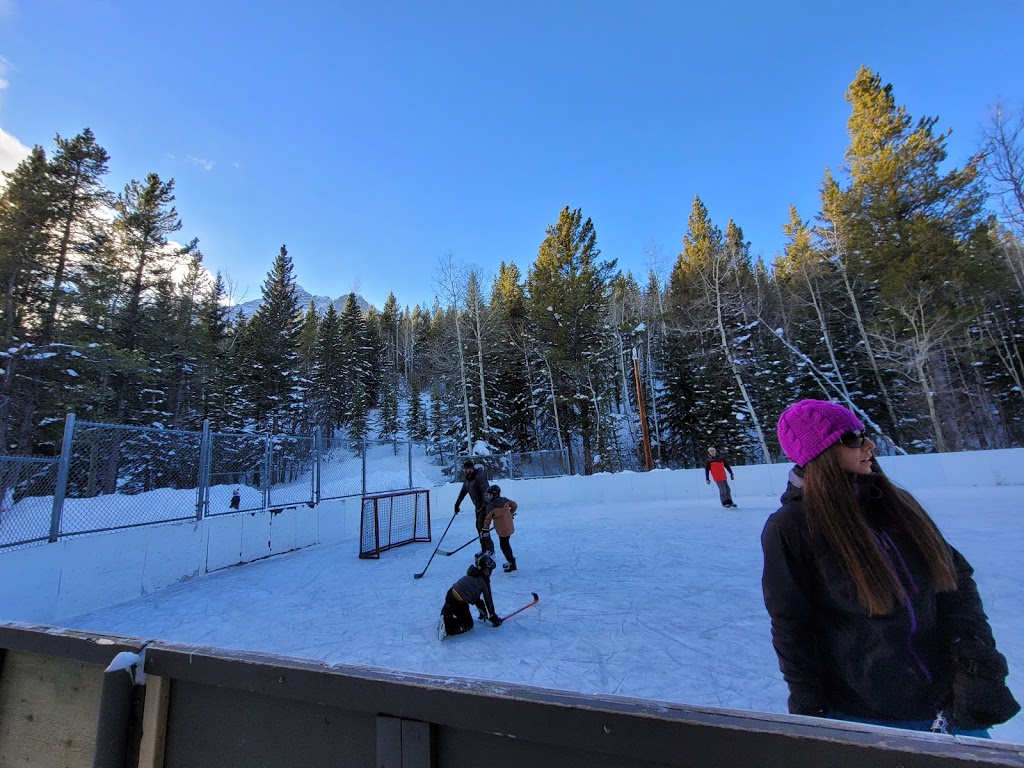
x=643 y=413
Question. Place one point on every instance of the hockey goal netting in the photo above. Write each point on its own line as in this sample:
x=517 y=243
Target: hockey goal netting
x=392 y=519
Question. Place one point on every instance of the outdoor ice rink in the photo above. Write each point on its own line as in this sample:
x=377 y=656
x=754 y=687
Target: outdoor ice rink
x=651 y=600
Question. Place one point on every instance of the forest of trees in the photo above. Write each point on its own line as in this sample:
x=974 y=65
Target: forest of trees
x=903 y=295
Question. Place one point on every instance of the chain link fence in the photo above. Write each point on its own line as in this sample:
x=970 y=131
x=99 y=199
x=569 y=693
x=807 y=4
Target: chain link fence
x=517 y=466
x=238 y=469
x=112 y=476
x=341 y=468
x=292 y=471
x=111 y=464
x=26 y=499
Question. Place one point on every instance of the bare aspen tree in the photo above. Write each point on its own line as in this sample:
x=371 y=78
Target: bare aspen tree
x=476 y=314
x=920 y=329
x=450 y=283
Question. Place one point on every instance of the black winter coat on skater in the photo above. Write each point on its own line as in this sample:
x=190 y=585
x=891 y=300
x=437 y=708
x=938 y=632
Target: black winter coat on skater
x=834 y=656
x=475 y=485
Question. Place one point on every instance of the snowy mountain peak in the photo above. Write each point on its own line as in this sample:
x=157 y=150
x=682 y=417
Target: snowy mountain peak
x=320 y=303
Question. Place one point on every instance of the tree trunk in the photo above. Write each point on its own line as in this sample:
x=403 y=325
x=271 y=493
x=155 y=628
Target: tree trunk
x=724 y=341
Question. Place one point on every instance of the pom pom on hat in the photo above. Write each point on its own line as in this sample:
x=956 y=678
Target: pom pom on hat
x=808 y=428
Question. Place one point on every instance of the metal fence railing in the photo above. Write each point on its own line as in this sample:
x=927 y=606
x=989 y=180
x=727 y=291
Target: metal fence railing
x=27 y=487
x=518 y=466
x=113 y=476
x=110 y=464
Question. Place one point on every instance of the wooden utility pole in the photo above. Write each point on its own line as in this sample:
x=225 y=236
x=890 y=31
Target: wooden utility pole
x=643 y=412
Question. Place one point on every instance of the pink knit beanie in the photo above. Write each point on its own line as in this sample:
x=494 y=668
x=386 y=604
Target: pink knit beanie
x=810 y=427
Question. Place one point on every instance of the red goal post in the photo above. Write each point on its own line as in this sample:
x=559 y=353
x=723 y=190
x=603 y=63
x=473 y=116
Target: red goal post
x=392 y=519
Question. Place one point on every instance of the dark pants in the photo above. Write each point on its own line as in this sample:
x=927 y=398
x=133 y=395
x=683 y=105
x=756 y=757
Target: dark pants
x=486 y=542
x=724 y=493
x=506 y=548
x=456 y=615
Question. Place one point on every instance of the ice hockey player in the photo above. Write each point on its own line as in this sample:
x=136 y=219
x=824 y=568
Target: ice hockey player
x=500 y=511
x=474 y=482
x=236 y=499
x=472 y=589
x=715 y=468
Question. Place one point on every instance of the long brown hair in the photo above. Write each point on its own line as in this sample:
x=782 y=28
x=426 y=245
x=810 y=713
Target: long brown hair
x=833 y=512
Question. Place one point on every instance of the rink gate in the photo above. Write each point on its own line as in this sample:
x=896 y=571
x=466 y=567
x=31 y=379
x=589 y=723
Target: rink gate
x=193 y=707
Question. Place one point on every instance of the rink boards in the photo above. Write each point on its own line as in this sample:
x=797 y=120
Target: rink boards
x=197 y=706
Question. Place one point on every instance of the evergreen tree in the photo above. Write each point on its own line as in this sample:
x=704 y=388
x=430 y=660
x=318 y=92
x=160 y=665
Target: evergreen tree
x=216 y=374
x=330 y=371
x=910 y=228
x=25 y=215
x=356 y=352
x=513 y=367
x=388 y=428
x=78 y=197
x=270 y=359
x=416 y=418
x=568 y=289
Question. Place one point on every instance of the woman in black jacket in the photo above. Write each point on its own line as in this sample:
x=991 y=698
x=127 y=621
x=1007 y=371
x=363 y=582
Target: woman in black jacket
x=875 y=617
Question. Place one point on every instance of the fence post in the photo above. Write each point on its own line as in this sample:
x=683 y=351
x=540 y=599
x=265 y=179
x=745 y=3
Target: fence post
x=203 y=492
x=566 y=469
x=409 y=444
x=63 y=470
x=363 y=443
x=268 y=464
x=317 y=455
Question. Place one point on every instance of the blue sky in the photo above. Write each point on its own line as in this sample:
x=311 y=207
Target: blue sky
x=374 y=137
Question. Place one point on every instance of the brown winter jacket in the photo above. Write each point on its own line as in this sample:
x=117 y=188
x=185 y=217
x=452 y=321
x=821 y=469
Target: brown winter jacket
x=500 y=511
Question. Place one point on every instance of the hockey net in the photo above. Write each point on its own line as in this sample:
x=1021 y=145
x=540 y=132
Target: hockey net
x=392 y=519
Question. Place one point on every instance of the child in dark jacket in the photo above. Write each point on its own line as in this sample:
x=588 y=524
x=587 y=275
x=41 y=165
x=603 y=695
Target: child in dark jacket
x=875 y=617
x=472 y=589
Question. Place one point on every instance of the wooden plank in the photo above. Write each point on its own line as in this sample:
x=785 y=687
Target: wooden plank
x=48 y=711
x=416 y=751
x=154 y=722
x=389 y=742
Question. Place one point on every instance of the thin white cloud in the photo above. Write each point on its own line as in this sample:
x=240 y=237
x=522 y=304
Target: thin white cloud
x=199 y=162
x=12 y=152
x=7 y=8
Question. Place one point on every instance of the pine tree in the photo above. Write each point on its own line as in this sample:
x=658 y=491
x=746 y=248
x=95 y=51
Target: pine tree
x=513 y=411
x=270 y=359
x=568 y=288
x=216 y=375
x=330 y=371
x=78 y=197
x=910 y=224
x=25 y=214
x=358 y=367
x=707 y=400
x=388 y=426
x=416 y=418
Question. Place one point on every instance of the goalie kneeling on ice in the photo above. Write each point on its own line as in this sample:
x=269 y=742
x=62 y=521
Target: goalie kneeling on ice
x=472 y=589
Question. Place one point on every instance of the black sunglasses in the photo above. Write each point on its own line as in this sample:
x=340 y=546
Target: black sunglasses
x=853 y=439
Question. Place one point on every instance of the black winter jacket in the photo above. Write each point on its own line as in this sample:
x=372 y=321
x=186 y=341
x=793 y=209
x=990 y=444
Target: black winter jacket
x=833 y=655
x=475 y=589
x=475 y=485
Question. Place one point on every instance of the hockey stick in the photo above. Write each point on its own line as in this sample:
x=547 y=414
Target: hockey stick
x=536 y=598
x=420 y=574
x=475 y=538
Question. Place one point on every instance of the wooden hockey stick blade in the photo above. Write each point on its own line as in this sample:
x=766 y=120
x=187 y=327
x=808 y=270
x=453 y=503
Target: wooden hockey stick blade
x=536 y=599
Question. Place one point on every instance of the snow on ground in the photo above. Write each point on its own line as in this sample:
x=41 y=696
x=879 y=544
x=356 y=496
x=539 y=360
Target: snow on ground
x=650 y=600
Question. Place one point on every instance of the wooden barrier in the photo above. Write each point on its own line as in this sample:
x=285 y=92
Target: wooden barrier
x=223 y=709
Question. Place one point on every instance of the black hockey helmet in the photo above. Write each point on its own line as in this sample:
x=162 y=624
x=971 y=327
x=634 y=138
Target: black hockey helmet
x=485 y=562
x=492 y=492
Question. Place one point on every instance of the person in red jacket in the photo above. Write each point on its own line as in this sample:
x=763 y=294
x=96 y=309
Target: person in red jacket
x=715 y=468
